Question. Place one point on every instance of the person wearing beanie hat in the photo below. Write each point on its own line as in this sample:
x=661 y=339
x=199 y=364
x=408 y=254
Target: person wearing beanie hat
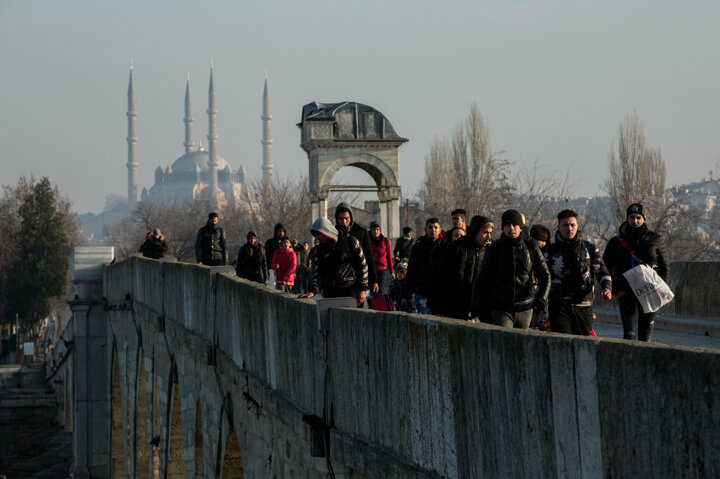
x=635 y=208
x=574 y=266
x=512 y=217
x=396 y=286
x=460 y=264
x=382 y=257
x=273 y=244
x=251 y=261
x=403 y=245
x=346 y=225
x=541 y=235
x=210 y=247
x=505 y=280
x=635 y=239
x=154 y=246
x=340 y=266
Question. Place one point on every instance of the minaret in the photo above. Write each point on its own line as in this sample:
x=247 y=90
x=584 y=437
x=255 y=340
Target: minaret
x=131 y=141
x=189 y=144
x=266 y=141
x=212 y=137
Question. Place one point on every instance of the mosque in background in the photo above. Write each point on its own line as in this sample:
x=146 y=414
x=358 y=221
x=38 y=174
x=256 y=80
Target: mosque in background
x=199 y=173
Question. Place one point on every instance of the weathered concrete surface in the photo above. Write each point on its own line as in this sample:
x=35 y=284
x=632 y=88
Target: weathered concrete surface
x=405 y=396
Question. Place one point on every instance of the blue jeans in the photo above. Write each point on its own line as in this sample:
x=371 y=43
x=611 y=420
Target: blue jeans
x=383 y=280
x=421 y=304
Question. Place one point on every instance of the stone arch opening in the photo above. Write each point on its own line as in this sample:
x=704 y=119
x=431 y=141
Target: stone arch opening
x=199 y=446
x=232 y=465
x=143 y=464
x=117 y=463
x=176 y=452
x=378 y=170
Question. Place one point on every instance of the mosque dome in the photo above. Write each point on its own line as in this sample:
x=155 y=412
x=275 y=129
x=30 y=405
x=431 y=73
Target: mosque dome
x=189 y=162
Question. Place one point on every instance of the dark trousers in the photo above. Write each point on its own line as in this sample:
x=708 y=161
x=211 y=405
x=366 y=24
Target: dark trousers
x=628 y=305
x=569 y=319
x=383 y=279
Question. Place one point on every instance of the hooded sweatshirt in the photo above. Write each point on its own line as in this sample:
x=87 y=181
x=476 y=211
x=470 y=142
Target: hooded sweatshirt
x=362 y=236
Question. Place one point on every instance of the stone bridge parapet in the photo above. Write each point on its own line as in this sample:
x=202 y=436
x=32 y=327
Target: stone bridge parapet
x=215 y=376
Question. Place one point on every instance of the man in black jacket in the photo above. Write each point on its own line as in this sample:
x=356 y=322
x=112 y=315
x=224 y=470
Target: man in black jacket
x=274 y=243
x=574 y=265
x=210 y=243
x=344 y=223
x=340 y=269
x=507 y=274
x=403 y=245
x=635 y=239
x=419 y=277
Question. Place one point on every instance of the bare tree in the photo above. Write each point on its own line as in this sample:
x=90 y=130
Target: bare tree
x=637 y=174
x=540 y=196
x=287 y=202
x=463 y=172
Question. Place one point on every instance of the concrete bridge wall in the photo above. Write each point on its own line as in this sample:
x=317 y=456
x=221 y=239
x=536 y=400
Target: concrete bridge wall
x=405 y=396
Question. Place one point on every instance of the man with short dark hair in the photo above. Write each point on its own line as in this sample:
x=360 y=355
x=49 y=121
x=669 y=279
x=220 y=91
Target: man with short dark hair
x=419 y=275
x=507 y=274
x=574 y=265
x=210 y=243
x=635 y=239
x=403 y=245
x=458 y=218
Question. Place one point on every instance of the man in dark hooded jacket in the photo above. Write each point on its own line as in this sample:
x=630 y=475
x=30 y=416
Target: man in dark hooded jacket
x=274 y=243
x=340 y=269
x=344 y=223
x=154 y=246
x=210 y=243
x=635 y=239
x=463 y=260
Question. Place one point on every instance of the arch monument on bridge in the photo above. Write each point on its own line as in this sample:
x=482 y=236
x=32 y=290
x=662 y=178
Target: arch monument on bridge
x=335 y=135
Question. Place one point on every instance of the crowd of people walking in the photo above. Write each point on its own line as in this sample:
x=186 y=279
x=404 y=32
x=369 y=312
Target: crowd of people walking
x=524 y=278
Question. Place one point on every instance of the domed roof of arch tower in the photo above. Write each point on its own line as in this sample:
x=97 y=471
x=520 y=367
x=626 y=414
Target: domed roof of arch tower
x=354 y=121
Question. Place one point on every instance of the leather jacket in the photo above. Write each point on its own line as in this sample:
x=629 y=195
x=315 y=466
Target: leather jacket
x=210 y=245
x=507 y=275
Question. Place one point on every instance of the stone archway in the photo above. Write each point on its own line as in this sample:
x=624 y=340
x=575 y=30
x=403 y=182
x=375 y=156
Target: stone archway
x=352 y=134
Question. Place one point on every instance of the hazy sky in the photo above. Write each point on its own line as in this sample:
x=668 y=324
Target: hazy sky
x=552 y=79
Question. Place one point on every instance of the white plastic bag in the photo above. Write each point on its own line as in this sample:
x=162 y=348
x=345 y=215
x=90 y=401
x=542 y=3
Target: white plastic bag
x=649 y=288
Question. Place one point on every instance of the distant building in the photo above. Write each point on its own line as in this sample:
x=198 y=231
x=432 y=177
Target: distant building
x=197 y=173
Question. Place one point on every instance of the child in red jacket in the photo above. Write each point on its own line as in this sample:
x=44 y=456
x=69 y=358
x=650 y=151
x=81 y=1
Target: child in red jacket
x=284 y=263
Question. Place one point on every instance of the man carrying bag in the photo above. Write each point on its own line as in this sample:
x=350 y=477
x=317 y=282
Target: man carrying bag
x=636 y=242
